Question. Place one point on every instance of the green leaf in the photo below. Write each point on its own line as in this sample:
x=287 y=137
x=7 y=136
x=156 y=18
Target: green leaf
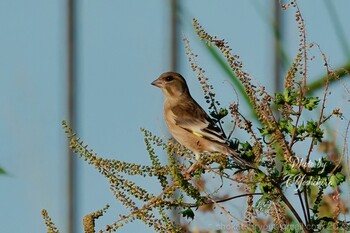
x=221 y=114
x=288 y=97
x=266 y=187
x=279 y=99
x=336 y=179
x=286 y=126
x=342 y=71
x=2 y=171
x=310 y=103
x=322 y=167
x=260 y=176
x=333 y=181
x=266 y=130
x=290 y=169
x=314 y=131
x=301 y=129
x=188 y=213
x=247 y=151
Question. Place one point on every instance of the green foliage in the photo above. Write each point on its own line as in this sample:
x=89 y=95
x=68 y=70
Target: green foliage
x=188 y=213
x=246 y=151
x=219 y=115
x=280 y=130
x=288 y=97
x=2 y=171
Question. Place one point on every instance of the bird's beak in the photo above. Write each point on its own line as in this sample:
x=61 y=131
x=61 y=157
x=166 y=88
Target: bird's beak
x=157 y=83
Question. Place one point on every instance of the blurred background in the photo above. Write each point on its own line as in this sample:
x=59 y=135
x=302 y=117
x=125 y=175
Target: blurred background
x=91 y=63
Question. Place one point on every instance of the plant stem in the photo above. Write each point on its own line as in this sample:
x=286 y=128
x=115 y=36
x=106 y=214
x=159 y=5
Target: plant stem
x=295 y=213
x=193 y=205
x=307 y=206
x=302 y=205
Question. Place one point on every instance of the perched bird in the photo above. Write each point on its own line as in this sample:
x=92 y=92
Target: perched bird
x=188 y=123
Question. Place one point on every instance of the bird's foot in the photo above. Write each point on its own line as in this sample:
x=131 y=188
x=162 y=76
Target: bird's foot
x=188 y=174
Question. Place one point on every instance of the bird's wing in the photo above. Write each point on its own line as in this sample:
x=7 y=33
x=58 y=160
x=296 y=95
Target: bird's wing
x=191 y=117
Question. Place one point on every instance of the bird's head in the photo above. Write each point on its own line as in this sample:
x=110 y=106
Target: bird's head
x=172 y=84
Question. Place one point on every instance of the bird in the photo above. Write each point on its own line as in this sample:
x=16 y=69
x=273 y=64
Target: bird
x=188 y=122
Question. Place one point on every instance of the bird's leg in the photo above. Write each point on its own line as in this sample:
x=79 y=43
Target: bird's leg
x=194 y=167
x=191 y=169
x=197 y=164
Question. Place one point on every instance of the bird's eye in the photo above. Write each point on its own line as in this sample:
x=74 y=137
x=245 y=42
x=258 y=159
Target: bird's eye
x=169 y=78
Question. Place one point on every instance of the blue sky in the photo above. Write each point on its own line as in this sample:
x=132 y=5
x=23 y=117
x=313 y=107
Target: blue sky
x=123 y=46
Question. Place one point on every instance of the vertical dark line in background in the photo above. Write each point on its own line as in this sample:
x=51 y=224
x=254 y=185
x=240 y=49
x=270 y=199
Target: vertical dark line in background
x=174 y=24
x=277 y=43
x=71 y=108
x=174 y=66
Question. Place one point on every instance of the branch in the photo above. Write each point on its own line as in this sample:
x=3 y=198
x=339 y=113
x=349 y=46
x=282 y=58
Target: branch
x=192 y=205
x=295 y=213
x=337 y=74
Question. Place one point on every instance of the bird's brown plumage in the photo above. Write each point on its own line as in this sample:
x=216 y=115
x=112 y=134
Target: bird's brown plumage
x=188 y=123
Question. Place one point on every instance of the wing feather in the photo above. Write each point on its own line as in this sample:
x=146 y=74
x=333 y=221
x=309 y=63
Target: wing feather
x=191 y=117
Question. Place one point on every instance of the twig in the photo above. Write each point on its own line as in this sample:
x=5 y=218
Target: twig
x=344 y=147
x=295 y=213
x=212 y=201
x=323 y=101
x=228 y=213
x=307 y=205
x=302 y=204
